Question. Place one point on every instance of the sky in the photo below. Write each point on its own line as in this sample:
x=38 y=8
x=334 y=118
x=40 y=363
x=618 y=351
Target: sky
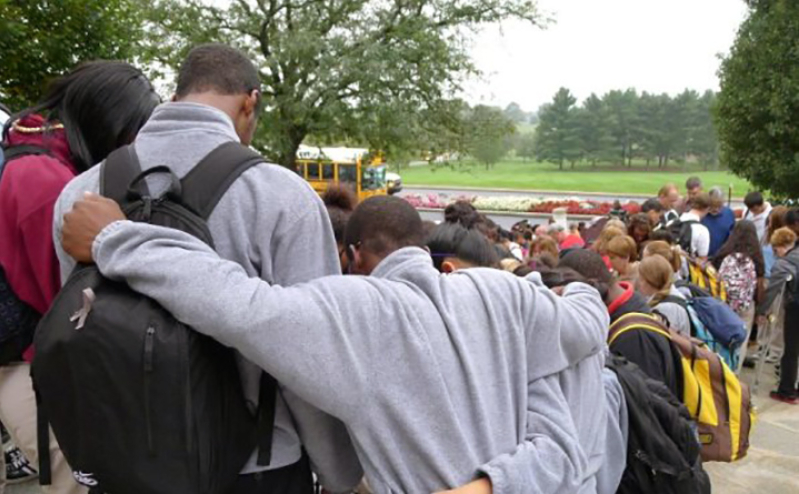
x=599 y=45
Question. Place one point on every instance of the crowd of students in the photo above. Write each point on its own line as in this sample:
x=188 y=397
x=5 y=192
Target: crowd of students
x=430 y=367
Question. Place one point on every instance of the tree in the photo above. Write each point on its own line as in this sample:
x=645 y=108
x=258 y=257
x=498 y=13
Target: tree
x=557 y=133
x=489 y=127
x=332 y=67
x=42 y=39
x=757 y=114
x=526 y=145
x=704 y=140
x=593 y=122
x=515 y=113
x=624 y=114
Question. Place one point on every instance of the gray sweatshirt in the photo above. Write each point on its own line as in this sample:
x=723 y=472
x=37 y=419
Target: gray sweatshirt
x=272 y=224
x=438 y=377
x=785 y=268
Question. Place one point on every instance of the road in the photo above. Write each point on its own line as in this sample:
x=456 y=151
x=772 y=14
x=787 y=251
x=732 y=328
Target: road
x=547 y=194
x=770 y=468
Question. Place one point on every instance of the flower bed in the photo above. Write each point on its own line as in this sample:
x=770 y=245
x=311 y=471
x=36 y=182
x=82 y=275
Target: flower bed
x=573 y=205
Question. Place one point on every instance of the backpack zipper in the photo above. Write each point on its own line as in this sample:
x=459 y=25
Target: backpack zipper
x=149 y=346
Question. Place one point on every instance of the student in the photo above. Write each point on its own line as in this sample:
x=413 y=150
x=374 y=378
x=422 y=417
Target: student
x=757 y=211
x=639 y=229
x=623 y=255
x=652 y=352
x=693 y=187
x=96 y=108
x=340 y=202
x=671 y=253
x=740 y=263
x=720 y=220
x=438 y=377
x=271 y=223
x=653 y=210
x=786 y=267
x=655 y=282
x=698 y=243
x=669 y=197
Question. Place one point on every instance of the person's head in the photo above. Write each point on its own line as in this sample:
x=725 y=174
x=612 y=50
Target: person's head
x=655 y=278
x=340 y=202
x=378 y=227
x=557 y=232
x=776 y=219
x=615 y=223
x=669 y=196
x=716 y=196
x=792 y=220
x=662 y=235
x=783 y=240
x=743 y=240
x=589 y=265
x=462 y=212
x=608 y=234
x=454 y=247
x=622 y=252
x=101 y=104
x=754 y=202
x=541 y=231
x=652 y=208
x=639 y=228
x=693 y=186
x=544 y=245
x=700 y=204
x=223 y=77
x=671 y=253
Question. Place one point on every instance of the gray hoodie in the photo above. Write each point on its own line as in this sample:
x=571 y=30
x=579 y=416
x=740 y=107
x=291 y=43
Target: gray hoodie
x=275 y=226
x=437 y=377
x=784 y=269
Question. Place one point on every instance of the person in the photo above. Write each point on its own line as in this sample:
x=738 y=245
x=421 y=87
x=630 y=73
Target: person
x=623 y=255
x=544 y=245
x=507 y=242
x=656 y=283
x=438 y=377
x=652 y=352
x=570 y=240
x=83 y=116
x=462 y=212
x=693 y=187
x=653 y=210
x=776 y=220
x=668 y=196
x=340 y=201
x=639 y=229
x=757 y=211
x=720 y=220
x=671 y=253
x=454 y=247
x=792 y=220
x=740 y=264
x=785 y=269
x=698 y=244
x=271 y=223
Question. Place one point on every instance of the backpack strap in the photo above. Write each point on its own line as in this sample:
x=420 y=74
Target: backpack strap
x=635 y=320
x=14 y=152
x=206 y=183
x=120 y=169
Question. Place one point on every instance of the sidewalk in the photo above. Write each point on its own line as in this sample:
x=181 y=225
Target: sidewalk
x=772 y=466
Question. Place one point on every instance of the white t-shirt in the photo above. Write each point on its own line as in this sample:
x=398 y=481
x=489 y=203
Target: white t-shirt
x=700 y=235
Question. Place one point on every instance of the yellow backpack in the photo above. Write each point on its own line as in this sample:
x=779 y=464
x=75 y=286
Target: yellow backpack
x=714 y=396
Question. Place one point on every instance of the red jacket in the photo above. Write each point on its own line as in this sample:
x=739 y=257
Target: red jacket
x=28 y=191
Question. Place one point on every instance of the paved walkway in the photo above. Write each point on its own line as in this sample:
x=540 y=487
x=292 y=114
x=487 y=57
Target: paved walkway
x=772 y=466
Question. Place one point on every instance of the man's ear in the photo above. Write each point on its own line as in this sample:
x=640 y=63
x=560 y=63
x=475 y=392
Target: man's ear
x=448 y=267
x=174 y=98
x=251 y=102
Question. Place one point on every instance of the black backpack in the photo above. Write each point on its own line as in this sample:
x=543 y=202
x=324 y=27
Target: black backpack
x=663 y=450
x=140 y=403
x=682 y=232
x=18 y=320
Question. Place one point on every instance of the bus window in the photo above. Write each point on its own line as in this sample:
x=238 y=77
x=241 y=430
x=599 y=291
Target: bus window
x=347 y=173
x=327 y=171
x=374 y=178
x=313 y=171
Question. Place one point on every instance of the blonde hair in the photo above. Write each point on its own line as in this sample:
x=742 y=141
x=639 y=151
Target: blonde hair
x=509 y=264
x=657 y=273
x=671 y=253
x=608 y=234
x=622 y=246
x=615 y=223
x=545 y=245
x=783 y=237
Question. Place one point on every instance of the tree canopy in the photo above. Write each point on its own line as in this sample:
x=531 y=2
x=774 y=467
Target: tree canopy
x=363 y=69
x=42 y=39
x=758 y=107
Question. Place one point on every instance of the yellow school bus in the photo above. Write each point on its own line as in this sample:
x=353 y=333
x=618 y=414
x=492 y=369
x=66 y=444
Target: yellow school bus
x=366 y=177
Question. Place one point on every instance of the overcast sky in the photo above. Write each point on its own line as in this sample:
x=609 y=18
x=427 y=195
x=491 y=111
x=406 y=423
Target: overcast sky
x=599 y=45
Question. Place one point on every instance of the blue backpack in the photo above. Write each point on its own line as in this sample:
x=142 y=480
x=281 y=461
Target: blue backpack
x=715 y=324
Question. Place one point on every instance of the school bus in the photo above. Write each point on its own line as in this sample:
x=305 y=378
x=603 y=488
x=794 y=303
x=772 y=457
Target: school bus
x=321 y=168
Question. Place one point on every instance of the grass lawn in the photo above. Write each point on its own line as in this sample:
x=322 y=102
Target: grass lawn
x=545 y=176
